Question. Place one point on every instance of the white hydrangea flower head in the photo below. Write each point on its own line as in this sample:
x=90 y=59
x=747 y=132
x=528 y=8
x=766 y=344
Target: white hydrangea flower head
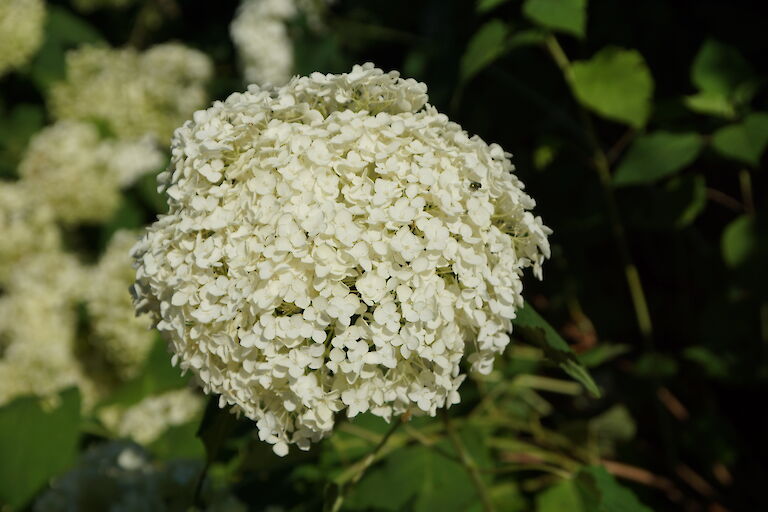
x=120 y=476
x=260 y=35
x=78 y=174
x=147 y=420
x=133 y=93
x=121 y=337
x=26 y=224
x=38 y=324
x=21 y=32
x=336 y=244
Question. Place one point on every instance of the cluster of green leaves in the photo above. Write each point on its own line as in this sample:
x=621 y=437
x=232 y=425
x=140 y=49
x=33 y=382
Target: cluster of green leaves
x=685 y=175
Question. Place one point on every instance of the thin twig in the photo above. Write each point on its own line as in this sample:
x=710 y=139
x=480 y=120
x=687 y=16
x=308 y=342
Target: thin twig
x=602 y=165
x=745 y=184
x=468 y=463
x=644 y=477
x=544 y=468
x=363 y=466
x=620 y=144
x=695 y=480
x=724 y=199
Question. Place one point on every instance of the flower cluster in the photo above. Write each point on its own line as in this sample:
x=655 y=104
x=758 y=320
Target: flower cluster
x=131 y=93
x=62 y=322
x=79 y=174
x=147 y=420
x=26 y=224
x=261 y=37
x=260 y=34
x=335 y=244
x=118 y=334
x=122 y=477
x=38 y=322
x=21 y=31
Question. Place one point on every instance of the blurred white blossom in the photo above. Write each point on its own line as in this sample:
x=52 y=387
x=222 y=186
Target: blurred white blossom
x=78 y=174
x=38 y=324
x=261 y=37
x=26 y=224
x=335 y=244
x=21 y=31
x=132 y=93
x=123 y=338
x=147 y=420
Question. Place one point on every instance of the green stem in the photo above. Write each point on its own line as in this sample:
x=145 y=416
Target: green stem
x=469 y=464
x=362 y=467
x=603 y=167
x=745 y=184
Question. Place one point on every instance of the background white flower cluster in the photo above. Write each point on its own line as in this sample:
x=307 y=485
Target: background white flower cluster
x=66 y=317
x=21 y=32
x=336 y=244
x=260 y=32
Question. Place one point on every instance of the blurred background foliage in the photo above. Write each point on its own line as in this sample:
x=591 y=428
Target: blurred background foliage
x=639 y=127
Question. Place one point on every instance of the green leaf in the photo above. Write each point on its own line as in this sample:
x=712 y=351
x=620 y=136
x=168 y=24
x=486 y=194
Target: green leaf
x=530 y=37
x=657 y=155
x=719 y=69
x=616 y=84
x=740 y=241
x=560 y=497
x=654 y=365
x=63 y=30
x=37 y=443
x=537 y=330
x=694 y=191
x=506 y=497
x=710 y=103
x=593 y=489
x=486 y=45
x=603 y=353
x=416 y=476
x=179 y=442
x=569 y=16
x=611 y=427
x=600 y=492
x=745 y=141
x=488 y=5
x=715 y=365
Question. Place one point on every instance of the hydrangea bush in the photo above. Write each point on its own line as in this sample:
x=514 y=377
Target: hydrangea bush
x=334 y=257
x=335 y=244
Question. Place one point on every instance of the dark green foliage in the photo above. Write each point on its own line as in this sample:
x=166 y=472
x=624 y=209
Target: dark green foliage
x=556 y=350
x=38 y=440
